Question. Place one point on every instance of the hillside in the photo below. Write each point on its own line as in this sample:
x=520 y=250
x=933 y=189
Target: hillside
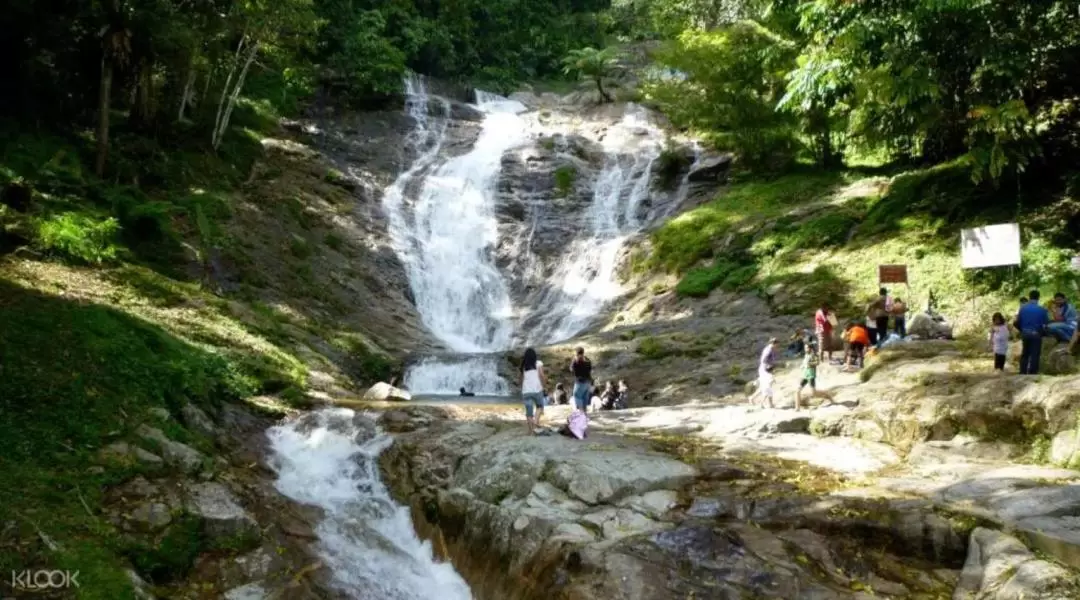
x=756 y=260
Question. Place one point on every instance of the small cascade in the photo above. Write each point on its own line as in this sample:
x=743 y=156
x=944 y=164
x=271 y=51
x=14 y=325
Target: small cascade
x=586 y=278
x=328 y=459
x=447 y=375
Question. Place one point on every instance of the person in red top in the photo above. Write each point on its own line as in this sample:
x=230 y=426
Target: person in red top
x=823 y=328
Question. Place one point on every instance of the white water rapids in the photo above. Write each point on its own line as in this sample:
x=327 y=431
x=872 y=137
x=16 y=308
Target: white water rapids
x=328 y=459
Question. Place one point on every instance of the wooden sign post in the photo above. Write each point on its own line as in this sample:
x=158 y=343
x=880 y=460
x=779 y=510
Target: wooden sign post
x=892 y=274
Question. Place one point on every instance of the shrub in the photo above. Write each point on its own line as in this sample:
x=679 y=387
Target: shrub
x=564 y=180
x=334 y=241
x=732 y=274
x=78 y=237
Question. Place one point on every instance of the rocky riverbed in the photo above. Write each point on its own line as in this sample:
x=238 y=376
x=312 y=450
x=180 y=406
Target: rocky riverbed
x=721 y=500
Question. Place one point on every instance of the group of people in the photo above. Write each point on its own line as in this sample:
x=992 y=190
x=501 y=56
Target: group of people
x=861 y=335
x=585 y=395
x=1033 y=322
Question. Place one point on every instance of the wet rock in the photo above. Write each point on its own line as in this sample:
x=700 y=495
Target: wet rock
x=1000 y=567
x=223 y=519
x=464 y=112
x=175 y=454
x=197 y=420
x=711 y=169
x=615 y=523
x=607 y=477
x=384 y=391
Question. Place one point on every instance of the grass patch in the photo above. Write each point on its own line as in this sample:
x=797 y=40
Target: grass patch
x=805 y=238
x=73 y=372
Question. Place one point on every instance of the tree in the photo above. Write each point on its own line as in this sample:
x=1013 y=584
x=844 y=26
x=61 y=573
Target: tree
x=593 y=64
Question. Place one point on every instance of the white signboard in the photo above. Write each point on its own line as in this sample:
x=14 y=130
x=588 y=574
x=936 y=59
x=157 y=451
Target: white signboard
x=990 y=246
x=1075 y=263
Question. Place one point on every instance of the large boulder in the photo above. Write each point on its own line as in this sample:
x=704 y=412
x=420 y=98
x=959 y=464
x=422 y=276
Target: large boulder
x=224 y=521
x=382 y=391
x=925 y=327
x=1000 y=567
x=176 y=454
x=710 y=169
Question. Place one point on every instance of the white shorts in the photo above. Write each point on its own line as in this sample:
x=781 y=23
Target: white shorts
x=765 y=383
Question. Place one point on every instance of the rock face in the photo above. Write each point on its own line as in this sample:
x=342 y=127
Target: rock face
x=609 y=517
x=382 y=391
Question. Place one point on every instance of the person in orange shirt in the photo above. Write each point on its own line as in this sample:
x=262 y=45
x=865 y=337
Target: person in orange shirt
x=857 y=338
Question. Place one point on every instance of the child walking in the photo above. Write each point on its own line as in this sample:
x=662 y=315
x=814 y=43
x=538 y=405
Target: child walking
x=810 y=364
x=999 y=341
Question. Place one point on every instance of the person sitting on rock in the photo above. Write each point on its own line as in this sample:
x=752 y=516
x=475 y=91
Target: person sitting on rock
x=858 y=339
x=561 y=397
x=463 y=393
x=1062 y=319
x=595 y=399
x=622 y=401
x=608 y=398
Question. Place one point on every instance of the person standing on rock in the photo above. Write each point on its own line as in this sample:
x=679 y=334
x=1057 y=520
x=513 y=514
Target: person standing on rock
x=581 y=367
x=766 y=366
x=1031 y=321
x=533 y=382
x=824 y=321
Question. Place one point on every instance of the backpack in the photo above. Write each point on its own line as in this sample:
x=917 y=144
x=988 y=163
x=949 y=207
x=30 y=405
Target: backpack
x=582 y=369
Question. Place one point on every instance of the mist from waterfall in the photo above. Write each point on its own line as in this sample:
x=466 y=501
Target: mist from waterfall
x=586 y=278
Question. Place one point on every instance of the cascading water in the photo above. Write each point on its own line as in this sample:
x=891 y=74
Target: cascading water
x=327 y=459
x=586 y=278
x=446 y=242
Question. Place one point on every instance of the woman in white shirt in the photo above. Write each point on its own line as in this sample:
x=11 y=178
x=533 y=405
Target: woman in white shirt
x=533 y=383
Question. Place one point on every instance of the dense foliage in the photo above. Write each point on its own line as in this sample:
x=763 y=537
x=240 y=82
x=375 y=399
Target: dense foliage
x=994 y=83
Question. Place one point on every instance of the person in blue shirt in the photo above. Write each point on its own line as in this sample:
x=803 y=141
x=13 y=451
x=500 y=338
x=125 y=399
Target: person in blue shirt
x=1063 y=321
x=1031 y=321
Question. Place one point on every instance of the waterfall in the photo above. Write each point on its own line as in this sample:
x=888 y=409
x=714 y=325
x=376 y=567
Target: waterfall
x=447 y=240
x=328 y=459
x=586 y=278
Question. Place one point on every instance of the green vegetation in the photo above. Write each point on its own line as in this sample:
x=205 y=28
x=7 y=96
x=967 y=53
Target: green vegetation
x=564 y=180
x=593 y=64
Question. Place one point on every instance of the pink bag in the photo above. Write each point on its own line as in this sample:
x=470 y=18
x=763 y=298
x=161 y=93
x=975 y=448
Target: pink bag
x=578 y=423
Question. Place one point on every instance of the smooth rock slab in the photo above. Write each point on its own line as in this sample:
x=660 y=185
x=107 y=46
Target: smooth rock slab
x=1000 y=567
x=222 y=516
x=603 y=478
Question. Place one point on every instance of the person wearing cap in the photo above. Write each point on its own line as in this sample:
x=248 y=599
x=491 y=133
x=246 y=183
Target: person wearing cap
x=766 y=365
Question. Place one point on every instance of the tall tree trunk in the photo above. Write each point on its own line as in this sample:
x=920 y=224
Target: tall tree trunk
x=104 y=94
x=189 y=89
x=238 y=85
x=214 y=141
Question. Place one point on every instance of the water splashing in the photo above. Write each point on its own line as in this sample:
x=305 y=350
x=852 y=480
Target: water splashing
x=328 y=459
x=448 y=244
